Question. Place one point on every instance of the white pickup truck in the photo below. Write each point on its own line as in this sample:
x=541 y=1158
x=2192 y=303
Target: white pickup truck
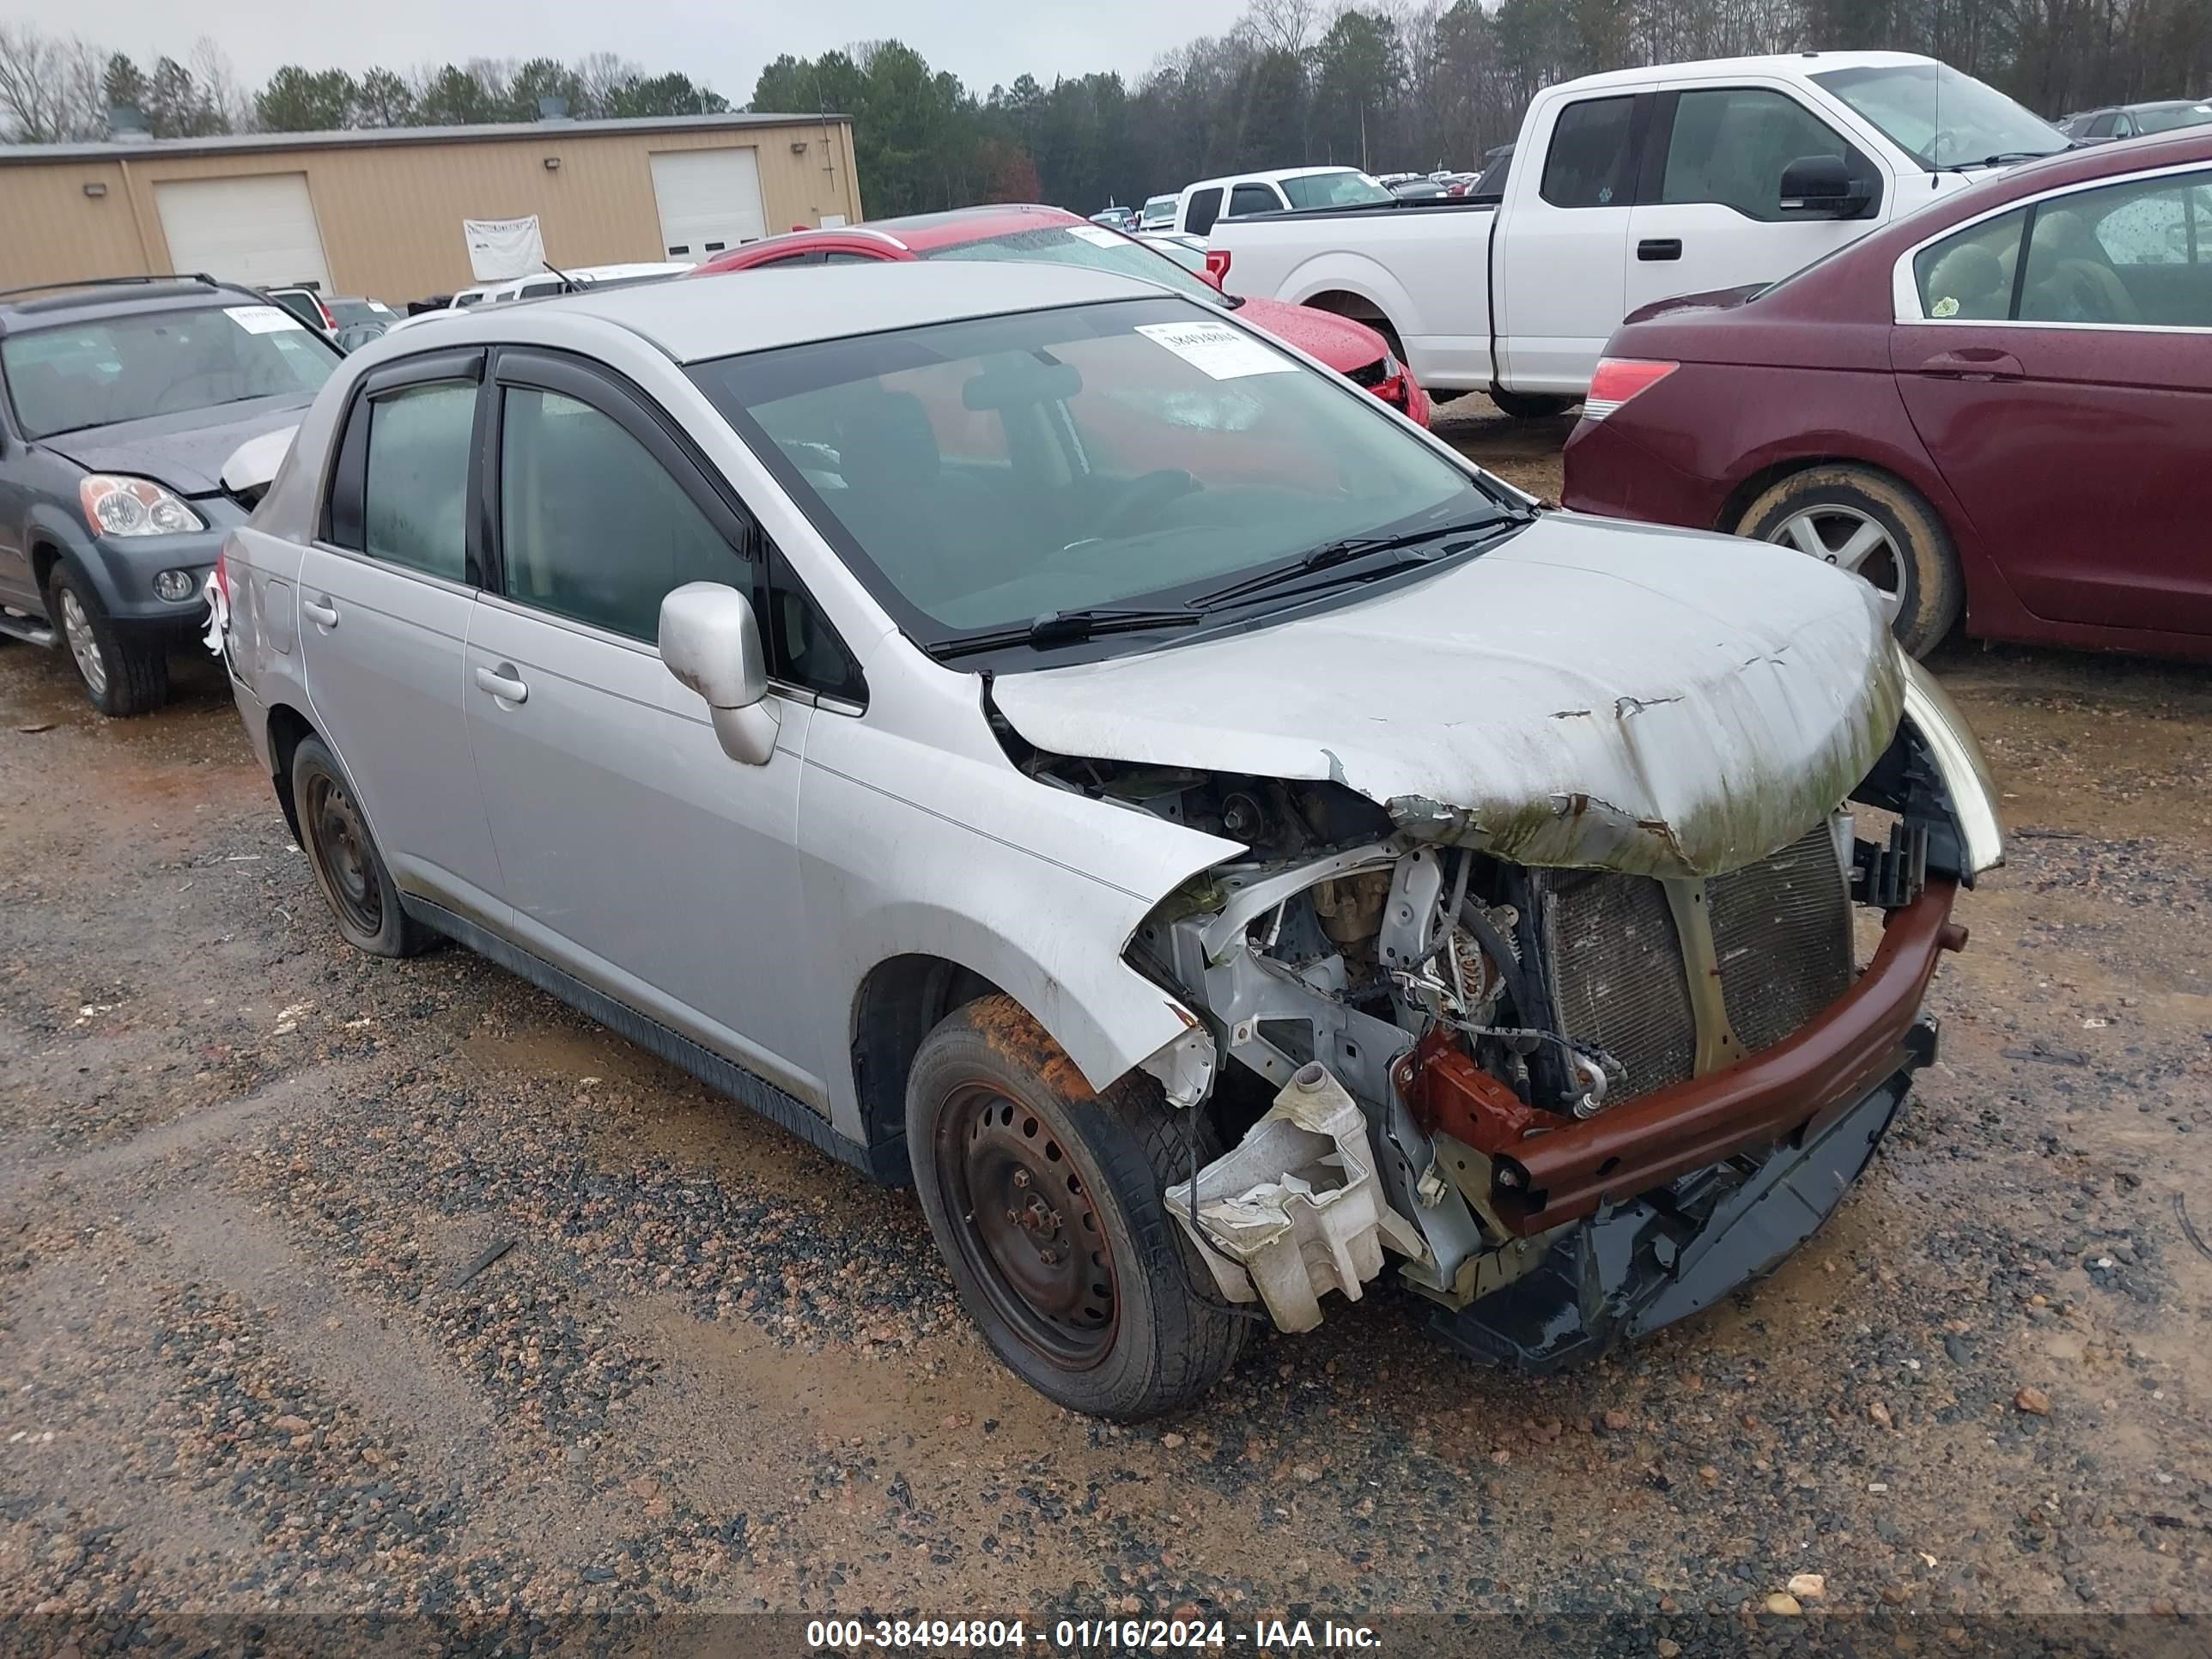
x=1629 y=187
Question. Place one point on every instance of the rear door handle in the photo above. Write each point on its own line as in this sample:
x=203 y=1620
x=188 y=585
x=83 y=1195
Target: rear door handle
x=503 y=682
x=1659 y=247
x=1974 y=363
x=320 y=612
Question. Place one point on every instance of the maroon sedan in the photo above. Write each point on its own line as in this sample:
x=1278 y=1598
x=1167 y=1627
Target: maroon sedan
x=2002 y=403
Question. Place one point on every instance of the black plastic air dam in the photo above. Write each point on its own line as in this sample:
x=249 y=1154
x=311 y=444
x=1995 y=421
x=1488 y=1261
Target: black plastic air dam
x=1638 y=1265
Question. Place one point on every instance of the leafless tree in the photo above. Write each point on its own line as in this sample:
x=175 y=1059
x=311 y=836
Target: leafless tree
x=49 y=87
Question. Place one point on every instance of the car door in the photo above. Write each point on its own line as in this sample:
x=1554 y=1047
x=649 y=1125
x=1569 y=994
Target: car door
x=384 y=593
x=2057 y=361
x=636 y=855
x=1558 y=288
x=17 y=590
x=1709 y=212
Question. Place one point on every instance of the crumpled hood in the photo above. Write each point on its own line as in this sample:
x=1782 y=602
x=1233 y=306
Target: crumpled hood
x=1589 y=694
x=184 y=451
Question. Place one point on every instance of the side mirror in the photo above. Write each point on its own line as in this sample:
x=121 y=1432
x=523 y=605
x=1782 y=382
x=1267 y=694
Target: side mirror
x=1821 y=187
x=711 y=642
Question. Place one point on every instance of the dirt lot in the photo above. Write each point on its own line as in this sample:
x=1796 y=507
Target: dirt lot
x=242 y=1168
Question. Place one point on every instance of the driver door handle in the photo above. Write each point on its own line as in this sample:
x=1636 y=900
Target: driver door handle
x=1659 y=247
x=503 y=682
x=1974 y=363
x=320 y=612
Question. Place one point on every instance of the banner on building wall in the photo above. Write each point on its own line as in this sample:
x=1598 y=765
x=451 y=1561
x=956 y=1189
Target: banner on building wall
x=500 y=248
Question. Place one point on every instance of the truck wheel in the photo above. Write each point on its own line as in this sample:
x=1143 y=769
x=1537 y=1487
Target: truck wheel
x=1046 y=1201
x=347 y=867
x=120 y=678
x=1876 y=526
x=1529 y=405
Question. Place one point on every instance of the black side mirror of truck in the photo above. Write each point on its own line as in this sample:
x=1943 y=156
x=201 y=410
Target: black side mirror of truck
x=1821 y=187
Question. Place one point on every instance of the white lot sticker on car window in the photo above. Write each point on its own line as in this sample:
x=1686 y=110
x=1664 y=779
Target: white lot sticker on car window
x=1098 y=234
x=262 y=319
x=1216 y=349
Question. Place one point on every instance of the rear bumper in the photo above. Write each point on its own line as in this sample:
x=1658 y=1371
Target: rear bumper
x=1608 y=472
x=1789 y=1092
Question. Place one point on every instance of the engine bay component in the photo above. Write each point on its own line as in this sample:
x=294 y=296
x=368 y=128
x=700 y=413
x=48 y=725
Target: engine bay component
x=1295 y=1210
x=1451 y=1095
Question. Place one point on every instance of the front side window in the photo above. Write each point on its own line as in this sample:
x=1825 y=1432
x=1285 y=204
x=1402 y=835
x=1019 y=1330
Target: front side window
x=161 y=362
x=592 y=526
x=1091 y=247
x=1145 y=449
x=1968 y=278
x=1730 y=145
x=415 y=490
x=1252 y=199
x=2102 y=126
x=1941 y=118
x=1331 y=190
x=1587 y=164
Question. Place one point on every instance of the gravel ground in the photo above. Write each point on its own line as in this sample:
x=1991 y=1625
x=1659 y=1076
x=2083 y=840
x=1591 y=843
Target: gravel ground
x=245 y=1174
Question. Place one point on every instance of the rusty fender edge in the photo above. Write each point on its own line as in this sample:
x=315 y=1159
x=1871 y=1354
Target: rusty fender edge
x=1824 y=1068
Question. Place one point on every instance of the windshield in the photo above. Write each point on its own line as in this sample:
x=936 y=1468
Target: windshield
x=2172 y=118
x=980 y=475
x=1331 y=190
x=343 y=312
x=1941 y=118
x=160 y=362
x=1092 y=246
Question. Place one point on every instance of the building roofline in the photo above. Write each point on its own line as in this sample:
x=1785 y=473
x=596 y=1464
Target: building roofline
x=247 y=143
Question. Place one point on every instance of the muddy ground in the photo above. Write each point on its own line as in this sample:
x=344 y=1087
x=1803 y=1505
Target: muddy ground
x=242 y=1167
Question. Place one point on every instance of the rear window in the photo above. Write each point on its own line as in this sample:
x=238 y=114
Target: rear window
x=161 y=362
x=346 y=312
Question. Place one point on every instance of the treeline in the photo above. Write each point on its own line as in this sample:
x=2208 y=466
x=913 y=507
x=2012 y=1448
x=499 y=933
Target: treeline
x=55 y=89
x=1391 y=85
x=1396 y=86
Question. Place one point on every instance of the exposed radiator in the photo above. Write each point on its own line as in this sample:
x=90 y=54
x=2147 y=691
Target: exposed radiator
x=1782 y=929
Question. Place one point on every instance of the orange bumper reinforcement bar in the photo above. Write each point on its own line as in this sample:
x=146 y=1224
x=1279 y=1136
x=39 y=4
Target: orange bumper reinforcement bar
x=1827 y=1065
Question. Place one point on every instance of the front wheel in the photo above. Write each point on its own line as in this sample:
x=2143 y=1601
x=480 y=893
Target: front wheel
x=122 y=677
x=1877 y=527
x=1047 y=1201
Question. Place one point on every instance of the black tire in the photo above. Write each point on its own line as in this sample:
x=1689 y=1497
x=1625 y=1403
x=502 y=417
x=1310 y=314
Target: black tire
x=998 y=1117
x=1530 y=405
x=1919 y=565
x=122 y=677
x=343 y=854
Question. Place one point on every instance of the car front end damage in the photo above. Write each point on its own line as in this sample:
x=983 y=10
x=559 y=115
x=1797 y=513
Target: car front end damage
x=1575 y=1099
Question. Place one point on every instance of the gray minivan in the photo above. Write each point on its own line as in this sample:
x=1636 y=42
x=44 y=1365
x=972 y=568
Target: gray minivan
x=1030 y=734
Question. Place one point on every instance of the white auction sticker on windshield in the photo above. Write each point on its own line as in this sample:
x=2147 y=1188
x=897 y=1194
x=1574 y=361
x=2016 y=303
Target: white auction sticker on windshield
x=262 y=319
x=1098 y=234
x=1216 y=349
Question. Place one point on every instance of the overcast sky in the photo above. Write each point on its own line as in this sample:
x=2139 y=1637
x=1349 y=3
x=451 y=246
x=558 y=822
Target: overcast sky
x=725 y=44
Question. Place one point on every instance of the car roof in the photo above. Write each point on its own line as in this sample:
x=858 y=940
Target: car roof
x=693 y=321
x=1268 y=175
x=1787 y=65
x=96 y=299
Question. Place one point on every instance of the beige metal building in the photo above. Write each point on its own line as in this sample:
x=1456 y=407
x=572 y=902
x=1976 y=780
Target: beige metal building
x=379 y=213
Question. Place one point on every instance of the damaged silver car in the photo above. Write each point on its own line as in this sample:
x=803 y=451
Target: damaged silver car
x=1024 y=732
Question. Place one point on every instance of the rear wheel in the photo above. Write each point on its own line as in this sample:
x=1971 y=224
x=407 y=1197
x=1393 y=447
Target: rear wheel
x=1877 y=527
x=1046 y=1199
x=347 y=864
x=121 y=677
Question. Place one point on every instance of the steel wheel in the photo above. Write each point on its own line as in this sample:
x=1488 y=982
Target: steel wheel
x=1850 y=540
x=340 y=843
x=1029 y=1232
x=83 y=644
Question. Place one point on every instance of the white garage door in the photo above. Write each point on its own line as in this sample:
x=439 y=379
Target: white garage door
x=259 y=230
x=709 y=201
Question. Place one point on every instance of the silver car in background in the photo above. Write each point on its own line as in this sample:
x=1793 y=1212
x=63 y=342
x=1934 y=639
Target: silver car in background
x=1021 y=730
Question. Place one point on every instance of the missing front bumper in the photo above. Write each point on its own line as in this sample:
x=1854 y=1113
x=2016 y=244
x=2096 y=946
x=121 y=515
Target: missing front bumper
x=1638 y=1265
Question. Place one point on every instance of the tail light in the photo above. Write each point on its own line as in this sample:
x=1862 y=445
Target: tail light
x=330 y=322
x=1216 y=266
x=1619 y=379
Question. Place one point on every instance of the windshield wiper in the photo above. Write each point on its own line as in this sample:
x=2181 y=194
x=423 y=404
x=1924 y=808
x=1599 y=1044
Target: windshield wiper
x=1065 y=628
x=1332 y=553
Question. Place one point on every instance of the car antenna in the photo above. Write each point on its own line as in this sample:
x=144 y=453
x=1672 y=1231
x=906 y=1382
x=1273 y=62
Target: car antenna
x=570 y=284
x=1935 y=138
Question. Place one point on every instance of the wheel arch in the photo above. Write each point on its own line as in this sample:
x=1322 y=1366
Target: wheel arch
x=286 y=726
x=898 y=1004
